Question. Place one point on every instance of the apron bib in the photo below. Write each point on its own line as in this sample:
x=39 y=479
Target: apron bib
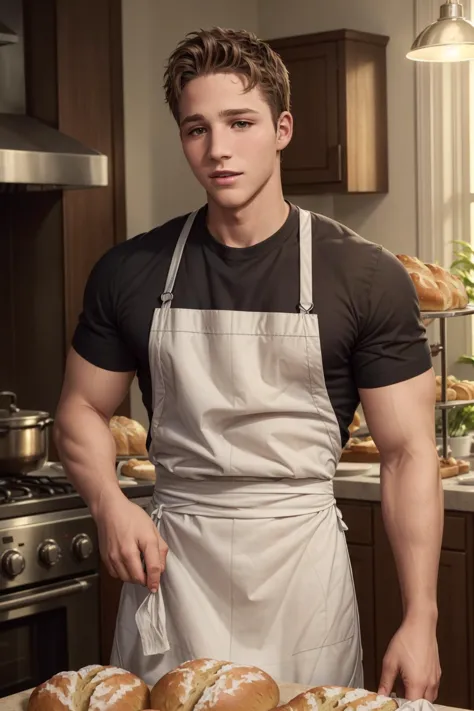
x=246 y=444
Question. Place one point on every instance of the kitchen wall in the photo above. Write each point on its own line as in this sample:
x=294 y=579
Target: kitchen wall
x=159 y=184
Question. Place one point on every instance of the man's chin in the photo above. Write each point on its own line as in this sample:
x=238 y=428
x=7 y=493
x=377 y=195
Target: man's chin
x=228 y=199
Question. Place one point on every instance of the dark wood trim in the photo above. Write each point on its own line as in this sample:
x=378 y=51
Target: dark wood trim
x=330 y=36
x=118 y=129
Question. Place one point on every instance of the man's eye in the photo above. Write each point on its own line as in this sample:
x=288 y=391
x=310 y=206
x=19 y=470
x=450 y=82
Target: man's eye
x=196 y=131
x=242 y=124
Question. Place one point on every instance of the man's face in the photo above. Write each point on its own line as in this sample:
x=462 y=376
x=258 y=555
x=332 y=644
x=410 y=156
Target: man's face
x=229 y=138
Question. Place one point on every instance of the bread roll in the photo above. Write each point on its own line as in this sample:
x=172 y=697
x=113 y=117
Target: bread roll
x=448 y=467
x=207 y=684
x=430 y=296
x=355 y=424
x=365 y=445
x=469 y=384
x=446 y=285
x=462 y=390
x=129 y=436
x=138 y=469
x=94 y=688
x=463 y=465
x=330 y=698
x=450 y=394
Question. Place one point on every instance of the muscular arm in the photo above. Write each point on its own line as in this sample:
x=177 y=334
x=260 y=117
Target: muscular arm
x=88 y=400
x=401 y=421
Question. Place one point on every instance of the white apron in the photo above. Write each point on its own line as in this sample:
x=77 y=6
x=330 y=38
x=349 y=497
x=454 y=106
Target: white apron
x=246 y=444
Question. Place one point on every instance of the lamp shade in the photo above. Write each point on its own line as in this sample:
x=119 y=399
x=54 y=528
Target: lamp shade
x=449 y=39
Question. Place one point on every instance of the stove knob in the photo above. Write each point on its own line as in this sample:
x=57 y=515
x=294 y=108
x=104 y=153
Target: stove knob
x=82 y=546
x=49 y=553
x=13 y=563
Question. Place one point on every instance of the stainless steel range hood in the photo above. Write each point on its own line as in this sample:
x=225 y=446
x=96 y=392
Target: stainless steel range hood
x=36 y=156
x=33 y=155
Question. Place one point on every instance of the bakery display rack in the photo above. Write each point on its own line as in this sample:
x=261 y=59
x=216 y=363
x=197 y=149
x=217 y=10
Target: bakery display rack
x=442 y=348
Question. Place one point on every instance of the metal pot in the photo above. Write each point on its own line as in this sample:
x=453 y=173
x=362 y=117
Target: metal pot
x=24 y=438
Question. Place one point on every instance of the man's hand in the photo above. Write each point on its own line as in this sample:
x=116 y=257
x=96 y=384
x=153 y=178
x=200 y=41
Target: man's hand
x=413 y=655
x=126 y=531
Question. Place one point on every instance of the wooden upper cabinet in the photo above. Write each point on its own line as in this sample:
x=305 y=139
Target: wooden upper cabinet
x=339 y=105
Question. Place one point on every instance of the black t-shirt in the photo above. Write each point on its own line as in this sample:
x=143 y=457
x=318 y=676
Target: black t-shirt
x=369 y=320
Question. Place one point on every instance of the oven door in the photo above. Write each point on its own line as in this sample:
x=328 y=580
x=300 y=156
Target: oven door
x=47 y=629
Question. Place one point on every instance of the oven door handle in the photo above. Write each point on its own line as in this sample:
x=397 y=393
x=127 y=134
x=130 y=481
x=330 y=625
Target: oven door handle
x=32 y=598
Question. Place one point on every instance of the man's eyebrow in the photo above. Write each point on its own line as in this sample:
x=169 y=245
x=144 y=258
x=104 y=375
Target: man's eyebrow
x=226 y=113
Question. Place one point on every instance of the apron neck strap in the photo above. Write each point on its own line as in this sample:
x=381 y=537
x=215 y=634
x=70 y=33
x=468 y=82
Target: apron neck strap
x=306 y=265
x=167 y=295
x=306 y=262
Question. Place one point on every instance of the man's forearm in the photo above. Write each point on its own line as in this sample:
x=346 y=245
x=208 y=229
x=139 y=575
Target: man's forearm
x=87 y=451
x=413 y=510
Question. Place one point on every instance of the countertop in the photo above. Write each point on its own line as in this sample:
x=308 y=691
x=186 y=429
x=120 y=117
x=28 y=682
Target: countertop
x=19 y=702
x=366 y=487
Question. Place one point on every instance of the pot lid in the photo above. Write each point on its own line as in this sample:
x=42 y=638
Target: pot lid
x=14 y=417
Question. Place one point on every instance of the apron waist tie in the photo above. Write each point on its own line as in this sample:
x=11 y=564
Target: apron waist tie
x=222 y=497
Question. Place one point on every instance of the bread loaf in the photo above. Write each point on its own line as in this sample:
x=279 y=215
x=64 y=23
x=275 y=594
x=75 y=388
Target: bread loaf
x=430 y=296
x=129 y=436
x=462 y=296
x=139 y=469
x=208 y=684
x=93 y=688
x=330 y=698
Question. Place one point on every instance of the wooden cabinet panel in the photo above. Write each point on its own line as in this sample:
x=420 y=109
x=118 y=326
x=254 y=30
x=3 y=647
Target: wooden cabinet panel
x=313 y=156
x=339 y=104
x=455 y=614
x=363 y=572
x=358 y=519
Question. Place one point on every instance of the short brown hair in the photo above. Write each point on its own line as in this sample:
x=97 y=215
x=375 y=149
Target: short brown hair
x=224 y=50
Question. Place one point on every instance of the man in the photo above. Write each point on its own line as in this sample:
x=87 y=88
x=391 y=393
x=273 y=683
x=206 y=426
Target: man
x=255 y=329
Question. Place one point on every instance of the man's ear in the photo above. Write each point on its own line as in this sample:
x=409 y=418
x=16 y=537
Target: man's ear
x=284 y=130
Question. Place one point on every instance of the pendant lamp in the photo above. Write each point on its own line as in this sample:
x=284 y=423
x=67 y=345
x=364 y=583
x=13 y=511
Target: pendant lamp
x=449 y=39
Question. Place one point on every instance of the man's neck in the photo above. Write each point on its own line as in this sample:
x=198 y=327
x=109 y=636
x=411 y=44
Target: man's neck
x=249 y=225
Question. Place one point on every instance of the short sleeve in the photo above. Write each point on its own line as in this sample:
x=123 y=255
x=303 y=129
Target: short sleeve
x=392 y=345
x=97 y=337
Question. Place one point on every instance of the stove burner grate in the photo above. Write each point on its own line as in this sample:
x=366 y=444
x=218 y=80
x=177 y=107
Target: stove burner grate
x=25 y=487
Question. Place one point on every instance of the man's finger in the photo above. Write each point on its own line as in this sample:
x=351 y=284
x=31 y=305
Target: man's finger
x=387 y=680
x=154 y=565
x=432 y=692
x=133 y=564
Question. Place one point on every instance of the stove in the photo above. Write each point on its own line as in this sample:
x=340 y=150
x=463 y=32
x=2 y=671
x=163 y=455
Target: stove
x=49 y=565
x=49 y=577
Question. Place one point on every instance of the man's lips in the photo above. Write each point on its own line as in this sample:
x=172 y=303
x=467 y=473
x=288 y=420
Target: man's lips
x=224 y=174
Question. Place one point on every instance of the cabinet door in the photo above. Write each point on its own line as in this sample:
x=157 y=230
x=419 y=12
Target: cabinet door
x=454 y=618
x=363 y=571
x=314 y=153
